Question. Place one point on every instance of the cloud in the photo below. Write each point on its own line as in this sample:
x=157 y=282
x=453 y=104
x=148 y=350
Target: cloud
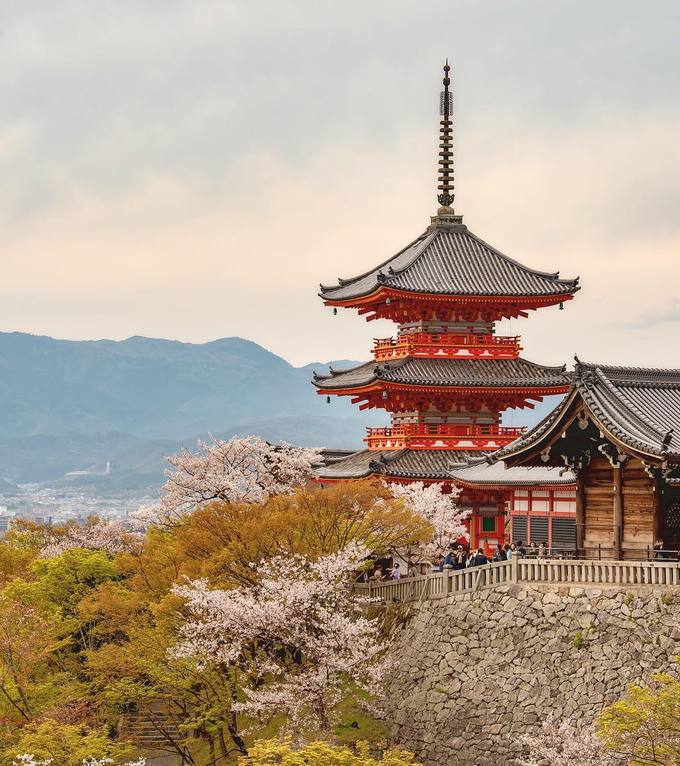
x=195 y=171
x=651 y=319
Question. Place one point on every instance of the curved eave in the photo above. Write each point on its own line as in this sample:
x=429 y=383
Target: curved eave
x=388 y=477
x=527 y=483
x=541 y=435
x=510 y=486
x=382 y=292
x=644 y=454
x=382 y=385
x=600 y=400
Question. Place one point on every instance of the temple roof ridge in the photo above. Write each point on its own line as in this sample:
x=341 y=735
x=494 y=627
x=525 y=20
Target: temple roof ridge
x=634 y=414
x=623 y=373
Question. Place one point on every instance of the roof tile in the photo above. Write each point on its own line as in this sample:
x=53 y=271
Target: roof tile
x=451 y=260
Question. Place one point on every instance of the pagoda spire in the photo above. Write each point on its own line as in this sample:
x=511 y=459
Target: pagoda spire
x=445 y=196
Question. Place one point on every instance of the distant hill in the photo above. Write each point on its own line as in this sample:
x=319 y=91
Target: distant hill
x=74 y=405
x=6 y=488
x=159 y=389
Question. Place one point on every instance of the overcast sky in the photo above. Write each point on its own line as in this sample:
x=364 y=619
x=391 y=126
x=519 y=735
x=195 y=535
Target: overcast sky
x=193 y=170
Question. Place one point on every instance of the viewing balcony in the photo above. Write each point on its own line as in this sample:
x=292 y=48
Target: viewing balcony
x=441 y=436
x=447 y=345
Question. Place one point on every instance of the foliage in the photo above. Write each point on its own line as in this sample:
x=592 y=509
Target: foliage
x=222 y=540
x=66 y=579
x=91 y=630
x=644 y=725
x=276 y=753
x=63 y=745
x=29 y=759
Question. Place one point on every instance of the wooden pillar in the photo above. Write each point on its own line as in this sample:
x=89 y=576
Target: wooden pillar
x=580 y=514
x=657 y=511
x=617 y=521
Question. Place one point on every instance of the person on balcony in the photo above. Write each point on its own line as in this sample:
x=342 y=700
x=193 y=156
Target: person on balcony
x=377 y=575
x=459 y=558
x=479 y=558
x=500 y=554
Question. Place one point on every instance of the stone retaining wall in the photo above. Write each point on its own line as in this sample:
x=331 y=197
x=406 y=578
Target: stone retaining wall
x=474 y=672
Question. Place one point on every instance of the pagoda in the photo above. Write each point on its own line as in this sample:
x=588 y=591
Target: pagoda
x=446 y=377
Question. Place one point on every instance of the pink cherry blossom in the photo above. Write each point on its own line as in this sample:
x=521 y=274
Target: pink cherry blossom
x=239 y=470
x=437 y=507
x=28 y=759
x=109 y=536
x=561 y=743
x=298 y=634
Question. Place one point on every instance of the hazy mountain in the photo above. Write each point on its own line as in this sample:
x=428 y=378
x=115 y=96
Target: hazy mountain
x=73 y=405
x=147 y=387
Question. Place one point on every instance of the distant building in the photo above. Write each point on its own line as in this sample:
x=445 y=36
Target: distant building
x=106 y=472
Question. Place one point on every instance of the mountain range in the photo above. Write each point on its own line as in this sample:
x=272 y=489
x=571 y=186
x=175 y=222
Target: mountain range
x=74 y=405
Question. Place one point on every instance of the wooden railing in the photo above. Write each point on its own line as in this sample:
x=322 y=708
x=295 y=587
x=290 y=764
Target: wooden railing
x=431 y=345
x=441 y=584
x=449 y=429
x=441 y=436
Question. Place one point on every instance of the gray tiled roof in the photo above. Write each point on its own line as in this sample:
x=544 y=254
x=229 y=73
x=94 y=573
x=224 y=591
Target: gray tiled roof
x=638 y=406
x=451 y=260
x=482 y=472
x=406 y=463
x=506 y=373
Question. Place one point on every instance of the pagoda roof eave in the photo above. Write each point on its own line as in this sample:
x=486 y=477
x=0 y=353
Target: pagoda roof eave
x=420 y=465
x=526 y=391
x=460 y=467
x=516 y=375
x=382 y=293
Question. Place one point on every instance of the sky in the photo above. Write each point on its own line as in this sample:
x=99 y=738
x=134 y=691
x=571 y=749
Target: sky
x=193 y=170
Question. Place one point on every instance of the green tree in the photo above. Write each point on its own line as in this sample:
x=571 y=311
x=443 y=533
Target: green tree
x=276 y=753
x=64 y=744
x=644 y=725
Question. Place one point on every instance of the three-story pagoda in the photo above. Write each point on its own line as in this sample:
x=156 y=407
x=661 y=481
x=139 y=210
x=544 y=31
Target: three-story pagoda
x=445 y=377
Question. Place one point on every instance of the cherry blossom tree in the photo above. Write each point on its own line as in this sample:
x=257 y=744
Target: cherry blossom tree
x=438 y=508
x=298 y=636
x=28 y=759
x=560 y=743
x=239 y=470
x=108 y=536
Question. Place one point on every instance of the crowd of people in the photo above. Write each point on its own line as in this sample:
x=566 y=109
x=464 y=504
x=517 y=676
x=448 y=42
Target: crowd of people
x=458 y=557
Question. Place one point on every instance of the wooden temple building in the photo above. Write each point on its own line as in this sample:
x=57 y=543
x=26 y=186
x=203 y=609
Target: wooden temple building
x=446 y=376
x=618 y=432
